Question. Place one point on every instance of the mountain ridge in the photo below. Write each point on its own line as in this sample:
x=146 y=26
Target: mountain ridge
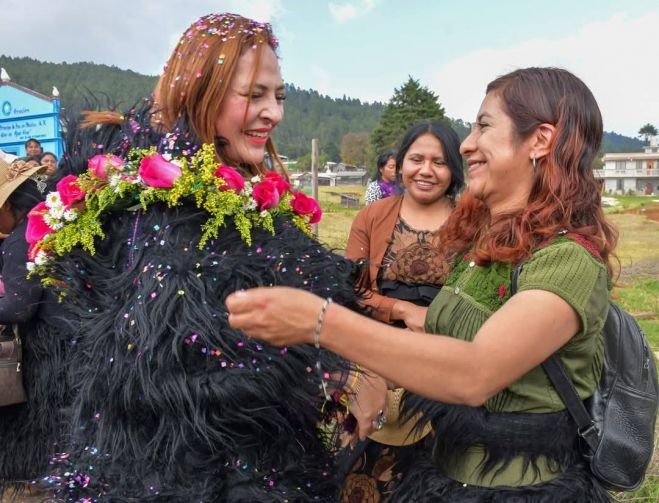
x=309 y=114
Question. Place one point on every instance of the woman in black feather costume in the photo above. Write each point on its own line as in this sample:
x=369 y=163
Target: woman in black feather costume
x=169 y=402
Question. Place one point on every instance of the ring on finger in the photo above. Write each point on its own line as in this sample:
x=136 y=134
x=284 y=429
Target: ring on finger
x=380 y=420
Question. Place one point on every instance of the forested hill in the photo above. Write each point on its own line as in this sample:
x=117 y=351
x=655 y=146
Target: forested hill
x=308 y=113
x=614 y=142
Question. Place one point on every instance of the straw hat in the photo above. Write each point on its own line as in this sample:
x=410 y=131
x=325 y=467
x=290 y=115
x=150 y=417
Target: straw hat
x=12 y=175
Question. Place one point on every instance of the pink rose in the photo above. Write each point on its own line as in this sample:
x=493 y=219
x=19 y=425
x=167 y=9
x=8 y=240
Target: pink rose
x=266 y=195
x=37 y=228
x=69 y=190
x=157 y=172
x=279 y=181
x=99 y=165
x=232 y=179
x=305 y=205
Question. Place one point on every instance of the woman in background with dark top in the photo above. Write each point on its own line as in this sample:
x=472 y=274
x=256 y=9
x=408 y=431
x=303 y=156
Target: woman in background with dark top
x=397 y=237
x=49 y=160
x=385 y=183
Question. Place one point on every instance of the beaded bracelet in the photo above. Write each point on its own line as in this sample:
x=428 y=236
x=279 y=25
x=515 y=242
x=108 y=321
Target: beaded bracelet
x=316 y=343
x=319 y=323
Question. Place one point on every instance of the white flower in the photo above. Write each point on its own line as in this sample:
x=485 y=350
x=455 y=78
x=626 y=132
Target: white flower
x=114 y=180
x=167 y=156
x=250 y=205
x=70 y=215
x=255 y=179
x=57 y=211
x=263 y=214
x=57 y=225
x=51 y=221
x=41 y=258
x=53 y=199
x=30 y=266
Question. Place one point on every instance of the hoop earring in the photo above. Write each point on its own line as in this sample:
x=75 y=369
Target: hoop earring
x=534 y=163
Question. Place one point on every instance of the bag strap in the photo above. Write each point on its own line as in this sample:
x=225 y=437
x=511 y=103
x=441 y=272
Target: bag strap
x=564 y=386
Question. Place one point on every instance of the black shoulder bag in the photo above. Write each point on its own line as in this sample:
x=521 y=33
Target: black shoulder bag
x=616 y=425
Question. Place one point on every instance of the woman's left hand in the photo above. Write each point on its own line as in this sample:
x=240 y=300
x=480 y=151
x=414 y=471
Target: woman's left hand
x=281 y=316
x=370 y=401
x=412 y=315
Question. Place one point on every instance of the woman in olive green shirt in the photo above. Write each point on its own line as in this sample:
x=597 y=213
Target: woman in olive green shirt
x=501 y=432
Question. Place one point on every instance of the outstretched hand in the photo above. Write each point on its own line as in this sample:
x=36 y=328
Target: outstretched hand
x=281 y=316
x=285 y=316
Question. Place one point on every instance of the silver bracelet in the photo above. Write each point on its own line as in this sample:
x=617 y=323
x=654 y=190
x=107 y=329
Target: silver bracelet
x=319 y=323
x=316 y=343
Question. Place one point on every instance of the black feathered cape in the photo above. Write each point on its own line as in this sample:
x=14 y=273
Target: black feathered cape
x=169 y=402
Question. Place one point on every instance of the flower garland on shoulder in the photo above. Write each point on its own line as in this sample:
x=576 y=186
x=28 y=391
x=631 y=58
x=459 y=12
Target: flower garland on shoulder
x=72 y=215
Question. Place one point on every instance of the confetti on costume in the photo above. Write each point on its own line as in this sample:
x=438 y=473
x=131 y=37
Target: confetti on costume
x=169 y=402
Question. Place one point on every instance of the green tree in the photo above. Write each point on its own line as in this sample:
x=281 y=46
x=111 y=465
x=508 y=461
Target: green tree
x=410 y=104
x=355 y=148
x=647 y=132
x=331 y=151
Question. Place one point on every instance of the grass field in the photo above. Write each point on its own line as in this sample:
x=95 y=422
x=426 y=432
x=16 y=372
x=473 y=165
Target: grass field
x=637 y=287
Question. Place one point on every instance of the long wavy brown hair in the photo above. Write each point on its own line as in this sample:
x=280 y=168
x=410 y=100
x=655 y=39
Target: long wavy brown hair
x=564 y=195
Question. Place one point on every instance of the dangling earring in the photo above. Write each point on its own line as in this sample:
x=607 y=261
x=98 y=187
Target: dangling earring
x=534 y=165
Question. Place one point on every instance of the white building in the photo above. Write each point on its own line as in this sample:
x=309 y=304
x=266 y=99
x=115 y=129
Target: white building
x=636 y=172
x=335 y=173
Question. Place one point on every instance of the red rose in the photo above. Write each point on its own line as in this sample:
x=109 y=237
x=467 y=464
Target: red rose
x=69 y=190
x=157 y=172
x=37 y=228
x=305 y=205
x=279 y=181
x=99 y=165
x=266 y=195
x=232 y=179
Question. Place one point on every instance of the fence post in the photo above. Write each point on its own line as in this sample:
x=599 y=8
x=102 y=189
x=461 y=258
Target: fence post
x=315 y=161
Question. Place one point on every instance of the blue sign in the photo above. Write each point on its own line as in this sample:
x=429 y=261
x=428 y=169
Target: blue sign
x=26 y=114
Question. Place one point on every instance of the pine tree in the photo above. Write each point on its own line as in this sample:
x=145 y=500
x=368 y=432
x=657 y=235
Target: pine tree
x=411 y=103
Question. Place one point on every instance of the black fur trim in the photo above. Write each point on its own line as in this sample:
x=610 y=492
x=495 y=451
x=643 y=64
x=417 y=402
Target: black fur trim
x=503 y=435
x=424 y=483
x=30 y=432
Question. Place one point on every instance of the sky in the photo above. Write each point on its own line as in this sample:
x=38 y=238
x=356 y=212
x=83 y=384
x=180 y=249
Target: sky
x=366 y=49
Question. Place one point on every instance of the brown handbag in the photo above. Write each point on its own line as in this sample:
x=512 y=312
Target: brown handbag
x=11 y=374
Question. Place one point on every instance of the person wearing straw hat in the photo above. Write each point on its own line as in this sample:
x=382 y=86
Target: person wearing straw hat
x=28 y=431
